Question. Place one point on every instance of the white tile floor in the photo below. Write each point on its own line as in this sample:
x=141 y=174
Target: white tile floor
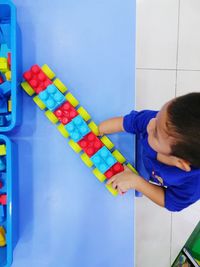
x=168 y=65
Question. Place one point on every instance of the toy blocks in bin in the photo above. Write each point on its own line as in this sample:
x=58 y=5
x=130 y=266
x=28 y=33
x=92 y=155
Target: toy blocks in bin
x=8 y=201
x=10 y=117
x=74 y=123
x=9 y=68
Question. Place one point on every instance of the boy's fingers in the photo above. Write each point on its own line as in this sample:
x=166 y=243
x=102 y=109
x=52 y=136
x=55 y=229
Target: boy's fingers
x=114 y=185
x=110 y=180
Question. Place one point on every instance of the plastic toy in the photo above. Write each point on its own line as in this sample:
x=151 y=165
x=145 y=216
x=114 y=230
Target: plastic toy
x=3 y=199
x=2 y=237
x=74 y=122
x=9 y=59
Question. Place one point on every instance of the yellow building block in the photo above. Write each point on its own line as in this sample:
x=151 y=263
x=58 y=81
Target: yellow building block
x=57 y=82
x=49 y=73
x=39 y=102
x=86 y=160
x=2 y=237
x=2 y=150
x=111 y=190
x=63 y=131
x=27 y=88
x=75 y=146
x=107 y=142
x=119 y=157
x=100 y=176
x=131 y=168
x=9 y=105
x=93 y=127
x=84 y=114
x=72 y=100
x=4 y=67
x=50 y=115
x=8 y=75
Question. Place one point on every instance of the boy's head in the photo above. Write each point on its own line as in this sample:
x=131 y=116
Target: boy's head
x=175 y=132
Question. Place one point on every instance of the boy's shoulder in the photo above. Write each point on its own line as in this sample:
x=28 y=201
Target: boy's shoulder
x=175 y=176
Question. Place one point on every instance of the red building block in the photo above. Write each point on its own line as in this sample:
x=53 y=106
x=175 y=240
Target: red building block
x=37 y=79
x=65 y=113
x=3 y=199
x=116 y=168
x=1 y=80
x=9 y=59
x=90 y=144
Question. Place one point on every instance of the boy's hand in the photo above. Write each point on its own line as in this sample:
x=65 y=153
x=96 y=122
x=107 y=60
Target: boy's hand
x=124 y=181
x=102 y=128
x=113 y=125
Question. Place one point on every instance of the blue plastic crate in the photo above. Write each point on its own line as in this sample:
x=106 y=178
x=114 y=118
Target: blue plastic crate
x=9 y=221
x=10 y=42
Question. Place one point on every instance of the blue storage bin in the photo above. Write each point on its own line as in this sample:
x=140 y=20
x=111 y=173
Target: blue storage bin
x=8 y=212
x=9 y=89
x=9 y=42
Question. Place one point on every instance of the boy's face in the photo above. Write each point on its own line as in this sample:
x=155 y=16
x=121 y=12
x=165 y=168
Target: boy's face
x=158 y=136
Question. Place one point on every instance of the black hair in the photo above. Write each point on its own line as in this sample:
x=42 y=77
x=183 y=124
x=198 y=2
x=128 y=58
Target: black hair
x=184 y=121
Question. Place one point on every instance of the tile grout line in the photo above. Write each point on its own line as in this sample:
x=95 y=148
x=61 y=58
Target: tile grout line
x=177 y=48
x=176 y=83
x=156 y=69
x=171 y=239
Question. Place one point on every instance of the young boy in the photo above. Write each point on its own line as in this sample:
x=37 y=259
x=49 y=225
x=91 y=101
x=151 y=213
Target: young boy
x=171 y=152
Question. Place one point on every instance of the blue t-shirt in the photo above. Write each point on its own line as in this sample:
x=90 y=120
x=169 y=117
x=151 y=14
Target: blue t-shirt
x=181 y=188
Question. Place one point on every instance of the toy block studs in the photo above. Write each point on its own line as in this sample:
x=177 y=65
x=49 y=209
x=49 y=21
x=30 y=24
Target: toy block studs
x=103 y=159
x=116 y=168
x=52 y=97
x=90 y=144
x=65 y=113
x=77 y=128
x=37 y=79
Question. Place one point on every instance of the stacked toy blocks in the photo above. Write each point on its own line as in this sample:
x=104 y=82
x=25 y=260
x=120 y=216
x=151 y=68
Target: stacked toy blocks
x=5 y=83
x=74 y=123
x=3 y=196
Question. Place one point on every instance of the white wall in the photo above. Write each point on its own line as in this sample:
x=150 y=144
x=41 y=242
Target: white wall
x=168 y=65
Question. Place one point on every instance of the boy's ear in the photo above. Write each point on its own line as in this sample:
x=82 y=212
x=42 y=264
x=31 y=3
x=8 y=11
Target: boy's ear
x=183 y=165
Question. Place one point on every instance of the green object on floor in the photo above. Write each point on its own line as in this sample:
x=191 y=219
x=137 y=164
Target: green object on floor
x=190 y=253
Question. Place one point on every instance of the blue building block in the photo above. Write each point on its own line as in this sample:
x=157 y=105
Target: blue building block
x=5 y=88
x=52 y=97
x=4 y=50
x=5 y=33
x=2 y=164
x=2 y=215
x=77 y=128
x=103 y=159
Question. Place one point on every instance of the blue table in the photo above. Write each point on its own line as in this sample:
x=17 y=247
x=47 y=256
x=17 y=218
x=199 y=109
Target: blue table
x=67 y=217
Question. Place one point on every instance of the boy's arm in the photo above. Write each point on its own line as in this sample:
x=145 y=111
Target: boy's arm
x=112 y=125
x=128 y=180
x=135 y=122
x=154 y=192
